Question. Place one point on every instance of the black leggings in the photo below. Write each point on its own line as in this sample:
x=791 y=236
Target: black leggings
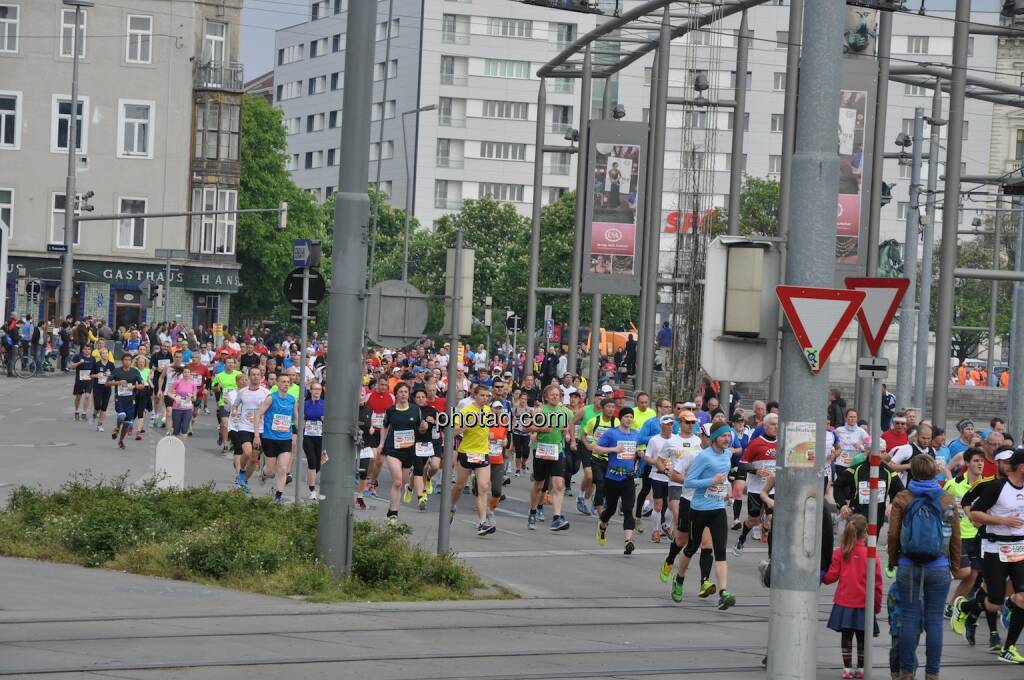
x=645 y=488
x=521 y=442
x=597 y=470
x=100 y=397
x=714 y=520
x=313 y=447
x=847 y=645
x=613 y=491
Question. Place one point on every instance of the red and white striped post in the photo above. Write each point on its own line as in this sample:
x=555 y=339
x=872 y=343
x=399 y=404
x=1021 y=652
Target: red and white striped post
x=874 y=461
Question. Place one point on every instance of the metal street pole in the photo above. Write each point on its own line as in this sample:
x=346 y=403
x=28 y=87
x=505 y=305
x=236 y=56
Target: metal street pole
x=167 y=288
x=656 y=158
x=489 y=322
x=796 y=16
x=1016 y=391
x=994 y=300
x=928 y=248
x=950 y=211
x=905 y=364
x=348 y=294
x=380 y=144
x=648 y=239
x=409 y=192
x=67 y=276
x=538 y=188
x=443 y=523
x=300 y=426
x=736 y=170
x=884 y=42
x=581 y=208
x=5 y=247
x=795 y=560
x=874 y=463
x=594 y=368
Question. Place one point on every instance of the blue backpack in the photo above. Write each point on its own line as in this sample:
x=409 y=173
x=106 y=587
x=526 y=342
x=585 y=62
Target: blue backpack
x=921 y=538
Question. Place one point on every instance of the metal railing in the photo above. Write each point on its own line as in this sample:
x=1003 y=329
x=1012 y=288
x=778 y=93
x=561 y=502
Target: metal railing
x=452 y=79
x=218 y=75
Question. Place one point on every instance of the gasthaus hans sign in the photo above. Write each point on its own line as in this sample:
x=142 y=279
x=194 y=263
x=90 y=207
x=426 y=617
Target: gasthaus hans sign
x=206 y=279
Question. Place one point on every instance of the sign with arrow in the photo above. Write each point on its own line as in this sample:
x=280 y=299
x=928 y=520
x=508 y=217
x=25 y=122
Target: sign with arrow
x=883 y=299
x=818 y=317
x=302 y=249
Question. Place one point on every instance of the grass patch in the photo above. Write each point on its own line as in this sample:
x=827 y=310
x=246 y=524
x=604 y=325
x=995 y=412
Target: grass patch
x=220 y=538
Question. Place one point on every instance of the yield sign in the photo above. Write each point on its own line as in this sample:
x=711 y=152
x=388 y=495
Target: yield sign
x=818 y=317
x=883 y=299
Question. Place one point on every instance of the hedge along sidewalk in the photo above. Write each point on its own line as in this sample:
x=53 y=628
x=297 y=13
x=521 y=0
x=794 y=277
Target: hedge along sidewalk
x=221 y=538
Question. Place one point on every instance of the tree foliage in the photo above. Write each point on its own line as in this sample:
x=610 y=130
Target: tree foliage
x=759 y=209
x=264 y=251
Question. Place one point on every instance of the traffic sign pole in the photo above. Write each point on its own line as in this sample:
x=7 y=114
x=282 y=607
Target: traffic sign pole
x=301 y=424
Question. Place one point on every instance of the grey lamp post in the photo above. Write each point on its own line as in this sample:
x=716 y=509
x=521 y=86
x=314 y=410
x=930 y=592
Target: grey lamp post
x=408 y=186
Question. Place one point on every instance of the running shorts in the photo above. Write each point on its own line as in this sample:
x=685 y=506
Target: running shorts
x=995 y=573
x=754 y=504
x=970 y=553
x=464 y=462
x=272 y=448
x=683 y=521
x=542 y=469
x=407 y=456
x=659 y=490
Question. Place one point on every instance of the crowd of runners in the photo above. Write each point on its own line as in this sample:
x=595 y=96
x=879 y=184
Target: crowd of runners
x=683 y=474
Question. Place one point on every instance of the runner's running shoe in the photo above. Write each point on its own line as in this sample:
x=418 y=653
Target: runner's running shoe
x=581 y=506
x=1010 y=655
x=995 y=643
x=559 y=524
x=407 y=496
x=602 y=532
x=726 y=600
x=483 y=529
x=957 y=617
x=628 y=548
x=666 y=572
x=707 y=588
x=677 y=591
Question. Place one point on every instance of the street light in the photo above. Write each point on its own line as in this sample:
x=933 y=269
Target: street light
x=68 y=269
x=408 y=186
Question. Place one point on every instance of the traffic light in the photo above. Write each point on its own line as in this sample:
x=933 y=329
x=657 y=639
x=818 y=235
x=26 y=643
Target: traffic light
x=282 y=215
x=147 y=293
x=886 y=193
x=158 y=295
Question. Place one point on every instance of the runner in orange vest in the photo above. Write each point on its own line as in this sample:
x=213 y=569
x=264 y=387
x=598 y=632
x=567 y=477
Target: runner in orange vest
x=961 y=374
x=1004 y=379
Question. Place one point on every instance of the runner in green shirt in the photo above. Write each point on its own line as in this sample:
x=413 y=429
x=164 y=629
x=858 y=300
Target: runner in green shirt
x=223 y=382
x=553 y=427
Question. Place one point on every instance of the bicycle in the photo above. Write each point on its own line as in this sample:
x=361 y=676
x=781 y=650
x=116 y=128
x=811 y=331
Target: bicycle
x=25 y=365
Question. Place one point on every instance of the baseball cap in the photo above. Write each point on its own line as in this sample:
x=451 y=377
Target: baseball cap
x=666 y=420
x=508 y=374
x=606 y=389
x=688 y=416
x=736 y=418
x=689 y=405
x=497 y=404
x=618 y=394
x=1006 y=455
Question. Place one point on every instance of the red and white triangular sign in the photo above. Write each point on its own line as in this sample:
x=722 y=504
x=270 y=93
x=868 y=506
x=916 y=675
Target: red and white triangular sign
x=818 y=317
x=883 y=299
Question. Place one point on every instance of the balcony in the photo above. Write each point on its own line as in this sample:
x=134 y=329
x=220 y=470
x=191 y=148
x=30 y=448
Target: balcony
x=556 y=169
x=218 y=75
x=442 y=203
x=452 y=163
x=558 y=128
x=452 y=79
x=455 y=38
x=449 y=121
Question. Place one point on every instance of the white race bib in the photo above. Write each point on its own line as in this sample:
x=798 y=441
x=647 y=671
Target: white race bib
x=281 y=422
x=404 y=439
x=101 y=379
x=197 y=379
x=1011 y=552
x=124 y=390
x=845 y=457
x=365 y=453
x=84 y=374
x=313 y=428
x=424 y=449
x=547 y=451
x=496 y=448
x=377 y=420
x=475 y=458
x=163 y=363
x=628 y=451
x=718 y=491
x=864 y=492
x=249 y=415
x=184 y=403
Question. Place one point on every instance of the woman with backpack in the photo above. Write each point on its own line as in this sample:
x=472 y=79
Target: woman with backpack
x=924 y=543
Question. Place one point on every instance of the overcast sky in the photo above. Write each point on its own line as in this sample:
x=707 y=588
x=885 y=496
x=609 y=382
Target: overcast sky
x=261 y=17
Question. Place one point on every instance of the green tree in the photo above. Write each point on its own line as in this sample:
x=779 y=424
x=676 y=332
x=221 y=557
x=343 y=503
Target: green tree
x=759 y=209
x=264 y=251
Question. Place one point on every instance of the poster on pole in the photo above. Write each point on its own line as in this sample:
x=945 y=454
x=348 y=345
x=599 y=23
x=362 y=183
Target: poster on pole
x=613 y=244
x=852 y=118
x=799 y=444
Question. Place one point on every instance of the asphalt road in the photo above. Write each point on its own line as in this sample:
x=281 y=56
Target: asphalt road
x=585 y=611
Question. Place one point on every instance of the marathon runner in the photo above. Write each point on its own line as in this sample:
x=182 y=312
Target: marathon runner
x=758 y=462
x=102 y=369
x=244 y=409
x=82 y=363
x=398 y=442
x=277 y=413
x=553 y=430
x=313 y=437
x=143 y=396
x=654 y=429
x=471 y=423
x=621 y=445
x=126 y=382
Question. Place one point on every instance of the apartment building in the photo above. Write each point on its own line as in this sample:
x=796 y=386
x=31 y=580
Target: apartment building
x=475 y=61
x=159 y=115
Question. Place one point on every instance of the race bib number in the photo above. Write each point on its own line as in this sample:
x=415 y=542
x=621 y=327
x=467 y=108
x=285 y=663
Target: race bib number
x=365 y=453
x=377 y=420
x=768 y=465
x=124 y=390
x=717 y=491
x=163 y=363
x=197 y=380
x=281 y=423
x=101 y=379
x=598 y=432
x=496 y=448
x=864 y=492
x=628 y=451
x=424 y=449
x=475 y=458
x=547 y=451
x=184 y=403
x=249 y=415
x=84 y=374
x=313 y=428
x=1013 y=552
x=404 y=439
x=845 y=457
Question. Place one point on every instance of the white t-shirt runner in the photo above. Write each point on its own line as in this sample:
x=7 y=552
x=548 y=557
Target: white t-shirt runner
x=691 y=449
x=663 y=447
x=249 y=402
x=852 y=440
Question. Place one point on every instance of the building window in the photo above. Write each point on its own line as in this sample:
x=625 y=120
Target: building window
x=332 y=120
x=493 y=108
x=509 y=28
x=10 y=120
x=335 y=81
x=217 y=128
x=905 y=170
x=61 y=124
x=337 y=42
x=506 y=68
x=695 y=120
x=215 y=42
x=140 y=39
x=290 y=90
x=501 y=192
x=781 y=40
x=213 y=233
x=383 y=152
x=290 y=54
x=382 y=29
x=378 y=70
x=57 y=205
x=388 y=109
x=332 y=158
x=915 y=91
x=777 y=122
x=440 y=193
x=564 y=35
x=318 y=9
x=966 y=127
x=774 y=165
x=315 y=122
x=732 y=80
x=318 y=85
x=136 y=125
x=503 y=150
x=917 y=44
x=908 y=127
x=131 y=232
x=7 y=209
x=730 y=121
x=9 y=28
x=67 y=33
x=317 y=48
x=314 y=160
x=555 y=193
x=779 y=81
x=901 y=210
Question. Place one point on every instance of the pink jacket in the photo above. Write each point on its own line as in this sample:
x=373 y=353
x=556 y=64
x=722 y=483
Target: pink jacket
x=852 y=574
